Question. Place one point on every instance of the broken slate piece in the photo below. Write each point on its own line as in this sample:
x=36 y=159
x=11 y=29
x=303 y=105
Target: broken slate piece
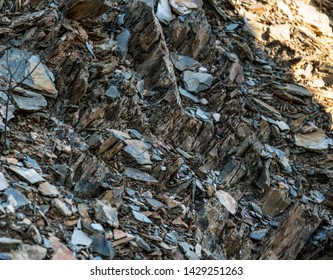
x=141 y=217
x=31 y=163
x=316 y=140
x=227 y=201
x=28 y=175
x=104 y=213
x=112 y=92
x=28 y=68
x=29 y=101
x=97 y=227
x=258 y=235
x=80 y=238
x=163 y=13
x=197 y=81
x=295 y=89
x=3 y=182
x=20 y=199
x=202 y=115
x=138 y=150
x=183 y=7
x=46 y=189
x=142 y=244
x=182 y=62
x=155 y=204
x=61 y=207
x=122 y=40
x=102 y=246
x=139 y=175
x=190 y=96
x=317 y=196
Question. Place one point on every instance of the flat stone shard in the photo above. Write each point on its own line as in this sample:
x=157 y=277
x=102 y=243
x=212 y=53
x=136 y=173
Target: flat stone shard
x=61 y=206
x=163 y=13
x=26 y=64
x=30 y=101
x=227 y=201
x=197 y=81
x=29 y=175
x=313 y=141
x=182 y=62
x=139 y=175
x=3 y=182
x=138 y=151
x=47 y=189
x=104 y=213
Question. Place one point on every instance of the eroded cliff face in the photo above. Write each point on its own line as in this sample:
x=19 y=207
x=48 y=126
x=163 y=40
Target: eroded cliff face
x=143 y=130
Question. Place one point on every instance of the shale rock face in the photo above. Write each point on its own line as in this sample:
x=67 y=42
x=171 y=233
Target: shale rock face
x=166 y=130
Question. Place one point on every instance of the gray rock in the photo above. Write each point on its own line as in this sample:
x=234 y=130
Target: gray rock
x=182 y=62
x=316 y=140
x=142 y=244
x=317 y=196
x=97 y=227
x=80 y=238
x=227 y=201
x=104 y=213
x=139 y=175
x=23 y=63
x=188 y=95
x=202 y=115
x=31 y=163
x=197 y=81
x=141 y=217
x=122 y=40
x=155 y=203
x=138 y=150
x=20 y=199
x=3 y=182
x=29 y=101
x=112 y=92
x=258 y=235
x=49 y=190
x=101 y=246
x=163 y=13
x=28 y=175
x=61 y=206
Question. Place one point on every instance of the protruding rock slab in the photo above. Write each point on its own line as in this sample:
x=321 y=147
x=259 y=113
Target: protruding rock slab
x=28 y=70
x=313 y=141
x=148 y=48
x=293 y=235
